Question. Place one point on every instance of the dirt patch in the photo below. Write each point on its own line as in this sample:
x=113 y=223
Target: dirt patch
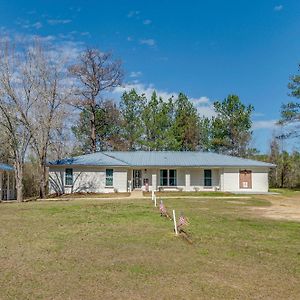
x=282 y=208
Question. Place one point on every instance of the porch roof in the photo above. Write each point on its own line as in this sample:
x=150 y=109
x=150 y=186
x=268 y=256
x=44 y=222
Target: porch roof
x=160 y=159
x=5 y=167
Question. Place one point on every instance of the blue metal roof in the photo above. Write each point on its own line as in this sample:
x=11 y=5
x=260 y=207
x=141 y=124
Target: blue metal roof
x=4 y=167
x=93 y=159
x=160 y=159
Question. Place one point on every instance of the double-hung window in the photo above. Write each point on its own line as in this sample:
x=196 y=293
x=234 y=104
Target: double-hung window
x=69 y=177
x=168 y=178
x=109 y=178
x=172 y=178
x=207 y=178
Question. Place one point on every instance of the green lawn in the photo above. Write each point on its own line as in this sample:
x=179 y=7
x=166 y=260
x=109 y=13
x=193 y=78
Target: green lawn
x=89 y=249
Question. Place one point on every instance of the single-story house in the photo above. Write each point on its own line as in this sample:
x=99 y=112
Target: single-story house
x=114 y=171
x=7 y=182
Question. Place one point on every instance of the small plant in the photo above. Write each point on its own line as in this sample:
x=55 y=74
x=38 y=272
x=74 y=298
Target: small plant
x=116 y=190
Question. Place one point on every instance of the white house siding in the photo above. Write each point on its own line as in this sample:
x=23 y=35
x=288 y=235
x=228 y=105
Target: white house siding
x=92 y=179
x=88 y=179
x=188 y=179
x=230 y=180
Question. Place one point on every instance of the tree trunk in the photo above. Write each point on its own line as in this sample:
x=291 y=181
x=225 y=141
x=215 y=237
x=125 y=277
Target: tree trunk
x=19 y=181
x=93 y=131
x=43 y=179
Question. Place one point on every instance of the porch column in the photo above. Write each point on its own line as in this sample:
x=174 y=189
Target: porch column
x=13 y=187
x=187 y=181
x=154 y=182
x=8 y=187
x=1 y=186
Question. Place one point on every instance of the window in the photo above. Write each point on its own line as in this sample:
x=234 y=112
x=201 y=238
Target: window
x=109 y=177
x=69 y=177
x=168 y=177
x=207 y=178
x=172 y=178
x=164 y=177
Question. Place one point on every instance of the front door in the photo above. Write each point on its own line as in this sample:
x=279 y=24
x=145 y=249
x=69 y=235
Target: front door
x=137 y=179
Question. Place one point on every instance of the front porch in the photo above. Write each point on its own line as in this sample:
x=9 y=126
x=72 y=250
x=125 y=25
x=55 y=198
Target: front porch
x=179 y=179
x=7 y=183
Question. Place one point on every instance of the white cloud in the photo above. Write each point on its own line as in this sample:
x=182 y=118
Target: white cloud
x=264 y=124
x=58 y=21
x=201 y=100
x=133 y=13
x=149 y=42
x=258 y=114
x=85 y=33
x=141 y=88
x=36 y=25
x=135 y=74
x=129 y=38
x=206 y=111
x=204 y=106
x=147 y=22
x=278 y=7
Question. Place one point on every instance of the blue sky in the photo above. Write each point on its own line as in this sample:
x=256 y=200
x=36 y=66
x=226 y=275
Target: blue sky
x=207 y=49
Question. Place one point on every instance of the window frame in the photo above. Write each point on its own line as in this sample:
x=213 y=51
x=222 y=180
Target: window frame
x=109 y=177
x=165 y=180
x=207 y=178
x=69 y=177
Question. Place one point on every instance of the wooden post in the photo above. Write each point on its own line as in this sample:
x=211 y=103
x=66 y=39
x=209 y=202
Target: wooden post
x=175 y=223
x=154 y=201
x=152 y=195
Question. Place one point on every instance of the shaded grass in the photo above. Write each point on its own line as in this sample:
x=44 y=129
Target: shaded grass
x=91 y=195
x=124 y=249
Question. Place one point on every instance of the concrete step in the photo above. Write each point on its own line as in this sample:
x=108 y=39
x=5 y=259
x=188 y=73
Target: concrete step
x=136 y=194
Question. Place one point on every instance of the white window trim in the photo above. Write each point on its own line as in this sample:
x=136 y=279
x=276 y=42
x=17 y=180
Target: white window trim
x=65 y=183
x=168 y=178
x=109 y=186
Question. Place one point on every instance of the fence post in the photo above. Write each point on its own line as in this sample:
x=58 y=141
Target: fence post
x=175 y=224
x=152 y=195
x=154 y=200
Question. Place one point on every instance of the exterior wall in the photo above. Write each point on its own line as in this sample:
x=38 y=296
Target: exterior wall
x=188 y=179
x=230 y=180
x=87 y=179
x=92 y=179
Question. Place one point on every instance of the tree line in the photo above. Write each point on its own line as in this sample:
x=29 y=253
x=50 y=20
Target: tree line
x=51 y=107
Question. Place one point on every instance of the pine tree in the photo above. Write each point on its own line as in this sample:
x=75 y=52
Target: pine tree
x=231 y=128
x=132 y=107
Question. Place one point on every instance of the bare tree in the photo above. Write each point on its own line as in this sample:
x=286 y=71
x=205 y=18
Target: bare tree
x=47 y=112
x=14 y=106
x=96 y=73
x=34 y=84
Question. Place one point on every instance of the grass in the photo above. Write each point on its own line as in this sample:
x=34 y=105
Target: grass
x=124 y=250
x=187 y=194
x=92 y=195
x=286 y=191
